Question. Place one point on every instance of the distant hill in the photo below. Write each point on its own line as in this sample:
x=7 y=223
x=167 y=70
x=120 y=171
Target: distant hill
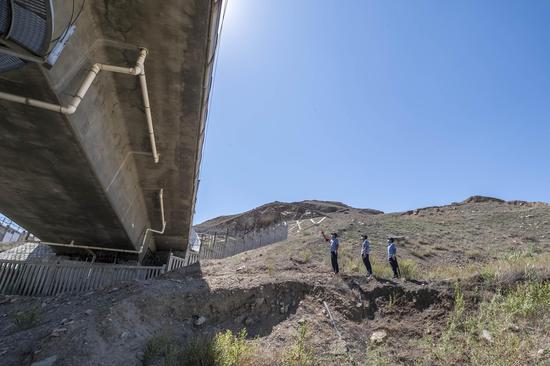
x=477 y=229
x=276 y=212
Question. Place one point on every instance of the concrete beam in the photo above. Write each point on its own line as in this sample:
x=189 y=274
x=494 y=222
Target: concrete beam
x=89 y=177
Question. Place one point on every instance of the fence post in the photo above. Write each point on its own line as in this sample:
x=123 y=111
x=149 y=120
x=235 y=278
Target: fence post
x=214 y=246
x=225 y=243
x=170 y=262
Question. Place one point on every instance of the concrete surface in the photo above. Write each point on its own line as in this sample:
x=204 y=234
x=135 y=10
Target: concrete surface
x=90 y=177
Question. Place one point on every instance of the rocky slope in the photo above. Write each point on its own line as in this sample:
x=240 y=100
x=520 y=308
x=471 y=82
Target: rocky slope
x=275 y=212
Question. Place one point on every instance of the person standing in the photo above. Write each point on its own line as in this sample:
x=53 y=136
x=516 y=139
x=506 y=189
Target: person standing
x=334 y=244
x=392 y=258
x=365 y=251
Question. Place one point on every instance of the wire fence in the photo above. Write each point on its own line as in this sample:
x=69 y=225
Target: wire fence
x=222 y=245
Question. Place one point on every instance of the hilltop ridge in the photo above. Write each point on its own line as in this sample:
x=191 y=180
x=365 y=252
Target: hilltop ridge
x=277 y=211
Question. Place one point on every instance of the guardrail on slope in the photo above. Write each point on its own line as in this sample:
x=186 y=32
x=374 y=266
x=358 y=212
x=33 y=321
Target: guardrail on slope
x=48 y=279
x=218 y=246
x=27 y=271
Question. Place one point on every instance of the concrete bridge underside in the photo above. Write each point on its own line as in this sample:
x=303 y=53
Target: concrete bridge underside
x=90 y=177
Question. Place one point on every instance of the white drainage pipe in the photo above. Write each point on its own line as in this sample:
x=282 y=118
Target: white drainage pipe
x=161 y=231
x=137 y=70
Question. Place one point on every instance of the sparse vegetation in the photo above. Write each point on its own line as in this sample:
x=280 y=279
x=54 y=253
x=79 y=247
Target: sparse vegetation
x=391 y=301
x=225 y=349
x=492 y=334
x=376 y=356
x=299 y=354
x=306 y=255
x=491 y=309
x=159 y=345
x=511 y=266
x=408 y=269
x=27 y=319
x=232 y=350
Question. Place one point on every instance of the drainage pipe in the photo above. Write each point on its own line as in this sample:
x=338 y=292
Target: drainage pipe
x=137 y=70
x=89 y=247
x=161 y=231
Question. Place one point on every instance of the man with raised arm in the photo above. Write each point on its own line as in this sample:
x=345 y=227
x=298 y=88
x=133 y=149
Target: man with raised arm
x=334 y=244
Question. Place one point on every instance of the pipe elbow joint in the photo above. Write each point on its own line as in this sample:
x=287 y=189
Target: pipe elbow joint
x=69 y=109
x=96 y=68
x=137 y=70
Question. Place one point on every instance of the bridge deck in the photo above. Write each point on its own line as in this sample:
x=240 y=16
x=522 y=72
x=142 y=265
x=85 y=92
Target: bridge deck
x=89 y=177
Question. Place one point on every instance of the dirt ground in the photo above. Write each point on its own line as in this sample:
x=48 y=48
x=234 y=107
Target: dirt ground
x=113 y=326
x=274 y=291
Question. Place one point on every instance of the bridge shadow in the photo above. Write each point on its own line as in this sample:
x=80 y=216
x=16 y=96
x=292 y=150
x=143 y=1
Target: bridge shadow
x=207 y=311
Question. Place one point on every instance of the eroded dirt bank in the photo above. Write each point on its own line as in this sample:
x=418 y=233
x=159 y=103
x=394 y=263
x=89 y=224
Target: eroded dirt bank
x=113 y=326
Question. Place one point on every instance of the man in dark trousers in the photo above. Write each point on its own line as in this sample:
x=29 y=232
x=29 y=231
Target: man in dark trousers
x=334 y=244
x=365 y=251
x=392 y=258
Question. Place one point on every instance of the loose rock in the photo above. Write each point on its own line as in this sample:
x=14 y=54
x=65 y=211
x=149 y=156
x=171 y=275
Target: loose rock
x=57 y=331
x=378 y=336
x=487 y=336
x=199 y=321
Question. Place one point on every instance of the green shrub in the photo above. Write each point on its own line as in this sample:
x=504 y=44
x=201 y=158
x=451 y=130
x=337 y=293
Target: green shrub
x=27 y=319
x=392 y=300
x=197 y=351
x=232 y=350
x=225 y=349
x=456 y=317
x=527 y=300
x=306 y=255
x=159 y=345
x=299 y=354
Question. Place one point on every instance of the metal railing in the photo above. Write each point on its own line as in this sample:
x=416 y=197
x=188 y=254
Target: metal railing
x=48 y=279
x=33 y=269
x=218 y=246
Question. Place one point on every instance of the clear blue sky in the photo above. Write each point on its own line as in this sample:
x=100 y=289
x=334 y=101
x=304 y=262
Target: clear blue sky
x=390 y=105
